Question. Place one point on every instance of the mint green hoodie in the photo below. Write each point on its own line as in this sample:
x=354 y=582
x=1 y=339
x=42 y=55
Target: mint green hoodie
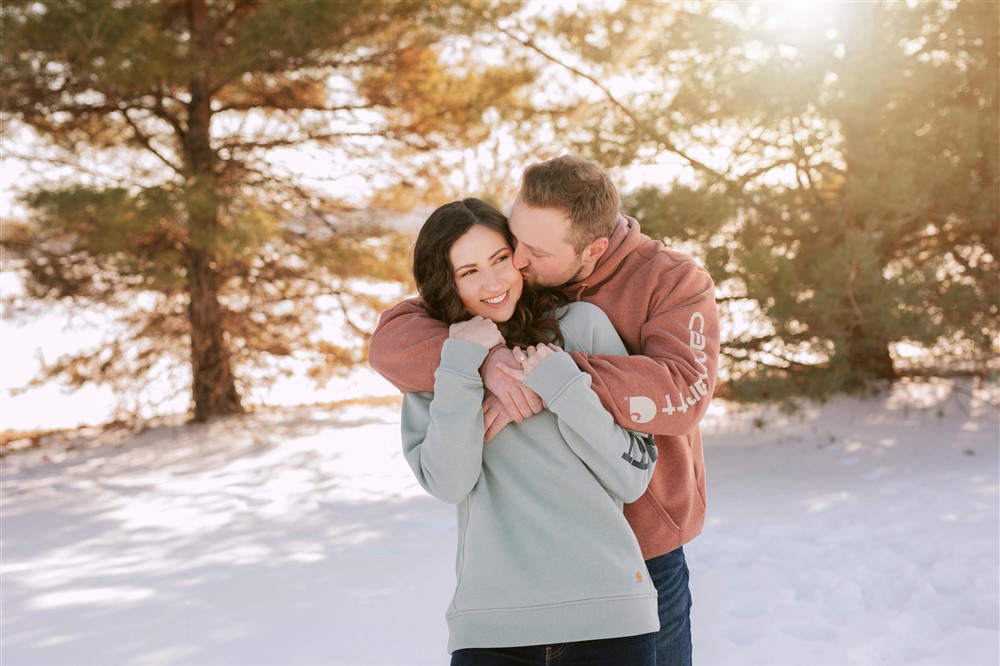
x=545 y=554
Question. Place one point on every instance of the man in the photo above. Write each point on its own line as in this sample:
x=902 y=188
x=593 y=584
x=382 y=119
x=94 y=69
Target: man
x=570 y=235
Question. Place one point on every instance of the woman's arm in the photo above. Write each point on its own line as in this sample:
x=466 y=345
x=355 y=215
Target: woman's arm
x=620 y=459
x=443 y=431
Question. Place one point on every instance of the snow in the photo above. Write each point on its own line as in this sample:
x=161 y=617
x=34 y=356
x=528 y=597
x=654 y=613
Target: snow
x=855 y=532
x=34 y=340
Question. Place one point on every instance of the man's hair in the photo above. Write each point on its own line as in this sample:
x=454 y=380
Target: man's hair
x=578 y=188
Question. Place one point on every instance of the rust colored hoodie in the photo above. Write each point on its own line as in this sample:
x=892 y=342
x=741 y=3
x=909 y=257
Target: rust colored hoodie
x=663 y=307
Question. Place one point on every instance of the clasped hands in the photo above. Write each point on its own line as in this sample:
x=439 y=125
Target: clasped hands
x=507 y=398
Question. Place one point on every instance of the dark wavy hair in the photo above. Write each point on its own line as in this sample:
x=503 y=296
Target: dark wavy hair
x=534 y=320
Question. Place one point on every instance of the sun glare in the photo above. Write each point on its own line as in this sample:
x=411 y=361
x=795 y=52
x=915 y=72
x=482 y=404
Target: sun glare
x=802 y=19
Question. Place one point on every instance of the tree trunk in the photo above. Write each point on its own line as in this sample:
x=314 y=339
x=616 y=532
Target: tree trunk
x=868 y=357
x=213 y=384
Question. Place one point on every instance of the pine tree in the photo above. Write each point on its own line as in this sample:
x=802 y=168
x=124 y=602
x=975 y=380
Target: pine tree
x=840 y=171
x=193 y=228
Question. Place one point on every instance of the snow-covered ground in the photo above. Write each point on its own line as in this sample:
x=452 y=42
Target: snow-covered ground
x=857 y=532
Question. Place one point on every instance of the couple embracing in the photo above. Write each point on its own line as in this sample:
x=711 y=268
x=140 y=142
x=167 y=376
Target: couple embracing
x=555 y=369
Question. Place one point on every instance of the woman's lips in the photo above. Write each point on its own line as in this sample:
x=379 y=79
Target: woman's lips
x=493 y=302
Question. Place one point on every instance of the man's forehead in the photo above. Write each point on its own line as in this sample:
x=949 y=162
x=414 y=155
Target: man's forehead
x=539 y=227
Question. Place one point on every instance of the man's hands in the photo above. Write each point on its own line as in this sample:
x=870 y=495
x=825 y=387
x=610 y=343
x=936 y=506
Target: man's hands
x=479 y=329
x=507 y=398
x=510 y=399
x=529 y=359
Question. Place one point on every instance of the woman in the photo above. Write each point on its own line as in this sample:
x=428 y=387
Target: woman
x=547 y=565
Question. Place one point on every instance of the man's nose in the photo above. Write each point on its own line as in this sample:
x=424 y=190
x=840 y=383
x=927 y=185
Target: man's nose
x=520 y=259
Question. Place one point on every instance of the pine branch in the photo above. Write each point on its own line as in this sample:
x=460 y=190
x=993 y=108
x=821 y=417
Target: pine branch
x=240 y=8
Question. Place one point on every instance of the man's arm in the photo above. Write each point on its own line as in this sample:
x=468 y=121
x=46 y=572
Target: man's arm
x=406 y=346
x=665 y=388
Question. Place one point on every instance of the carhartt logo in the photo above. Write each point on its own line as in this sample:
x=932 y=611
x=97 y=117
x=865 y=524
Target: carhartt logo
x=643 y=409
x=638 y=577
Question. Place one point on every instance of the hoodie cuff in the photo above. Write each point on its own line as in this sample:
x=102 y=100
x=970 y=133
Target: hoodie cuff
x=462 y=357
x=554 y=375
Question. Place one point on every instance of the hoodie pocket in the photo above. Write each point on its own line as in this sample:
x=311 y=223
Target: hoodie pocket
x=647 y=514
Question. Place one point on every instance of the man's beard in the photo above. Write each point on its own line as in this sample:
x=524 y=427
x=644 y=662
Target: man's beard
x=535 y=282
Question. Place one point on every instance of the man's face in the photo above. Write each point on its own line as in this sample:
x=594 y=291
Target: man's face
x=543 y=252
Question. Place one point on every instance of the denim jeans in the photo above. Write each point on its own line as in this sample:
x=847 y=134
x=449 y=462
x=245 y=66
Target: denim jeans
x=670 y=576
x=631 y=650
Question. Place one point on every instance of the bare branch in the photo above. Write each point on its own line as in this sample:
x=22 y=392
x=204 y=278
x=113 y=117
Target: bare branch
x=161 y=112
x=638 y=122
x=361 y=332
x=144 y=141
x=261 y=102
x=747 y=177
x=293 y=141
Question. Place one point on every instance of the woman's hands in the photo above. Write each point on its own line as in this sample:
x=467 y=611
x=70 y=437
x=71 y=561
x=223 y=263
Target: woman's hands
x=479 y=329
x=529 y=359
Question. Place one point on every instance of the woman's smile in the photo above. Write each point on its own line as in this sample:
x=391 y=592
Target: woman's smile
x=497 y=300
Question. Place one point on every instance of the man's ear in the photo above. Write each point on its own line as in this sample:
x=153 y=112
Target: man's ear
x=594 y=251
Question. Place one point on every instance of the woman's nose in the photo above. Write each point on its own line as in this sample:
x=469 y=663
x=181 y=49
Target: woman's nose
x=491 y=279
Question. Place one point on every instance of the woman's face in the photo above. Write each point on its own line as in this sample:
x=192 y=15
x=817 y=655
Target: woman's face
x=485 y=278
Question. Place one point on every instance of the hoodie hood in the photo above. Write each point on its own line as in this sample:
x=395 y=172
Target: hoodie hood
x=625 y=238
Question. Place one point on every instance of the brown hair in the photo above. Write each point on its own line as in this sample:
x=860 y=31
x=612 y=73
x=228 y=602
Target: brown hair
x=534 y=319
x=578 y=188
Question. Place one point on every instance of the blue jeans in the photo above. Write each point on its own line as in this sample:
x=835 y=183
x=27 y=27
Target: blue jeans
x=631 y=650
x=670 y=576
